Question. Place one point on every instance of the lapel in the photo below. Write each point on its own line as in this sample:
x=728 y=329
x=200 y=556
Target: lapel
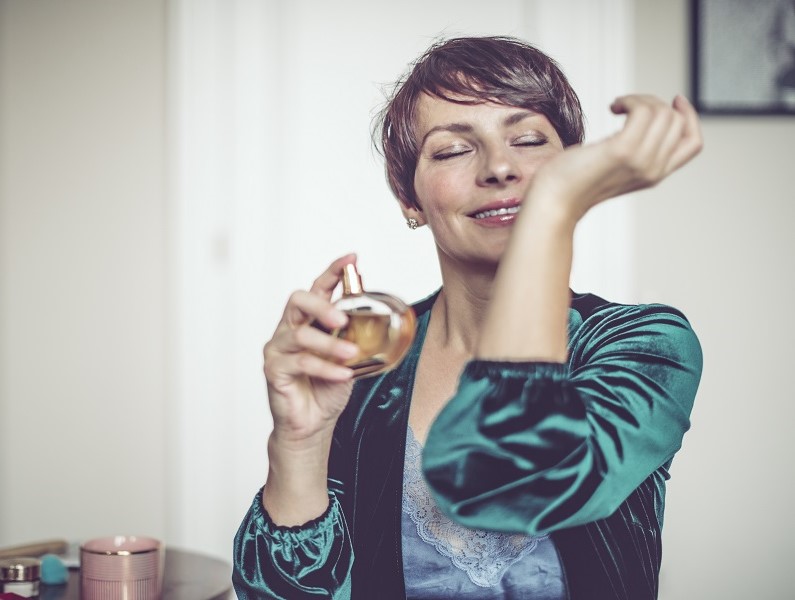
x=377 y=421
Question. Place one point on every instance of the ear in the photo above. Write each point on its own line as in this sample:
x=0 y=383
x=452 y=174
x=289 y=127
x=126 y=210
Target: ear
x=409 y=212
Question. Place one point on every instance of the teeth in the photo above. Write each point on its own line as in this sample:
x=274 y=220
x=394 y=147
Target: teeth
x=500 y=211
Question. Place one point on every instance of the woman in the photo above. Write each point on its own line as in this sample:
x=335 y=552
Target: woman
x=548 y=419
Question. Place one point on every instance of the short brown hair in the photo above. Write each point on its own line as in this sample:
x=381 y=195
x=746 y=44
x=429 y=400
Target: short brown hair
x=494 y=69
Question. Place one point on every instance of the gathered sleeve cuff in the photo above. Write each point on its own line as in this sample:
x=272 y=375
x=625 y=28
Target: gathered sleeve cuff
x=312 y=560
x=536 y=446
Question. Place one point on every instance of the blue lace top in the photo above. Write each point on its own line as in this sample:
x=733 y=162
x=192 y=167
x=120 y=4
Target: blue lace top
x=443 y=560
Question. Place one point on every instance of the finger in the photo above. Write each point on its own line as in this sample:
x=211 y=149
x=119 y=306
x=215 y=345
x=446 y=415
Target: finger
x=307 y=338
x=642 y=111
x=663 y=139
x=625 y=105
x=653 y=134
x=307 y=364
x=328 y=280
x=306 y=306
x=691 y=140
x=683 y=106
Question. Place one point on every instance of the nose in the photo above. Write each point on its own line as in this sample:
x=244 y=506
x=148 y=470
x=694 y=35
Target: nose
x=498 y=167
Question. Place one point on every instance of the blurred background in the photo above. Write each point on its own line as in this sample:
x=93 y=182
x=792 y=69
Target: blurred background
x=170 y=170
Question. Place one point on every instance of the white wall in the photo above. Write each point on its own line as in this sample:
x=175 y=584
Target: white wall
x=83 y=267
x=716 y=241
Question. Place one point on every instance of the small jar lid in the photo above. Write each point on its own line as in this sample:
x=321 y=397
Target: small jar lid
x=20 y=569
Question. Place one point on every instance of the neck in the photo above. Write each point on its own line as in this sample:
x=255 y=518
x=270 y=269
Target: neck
x=459 y=312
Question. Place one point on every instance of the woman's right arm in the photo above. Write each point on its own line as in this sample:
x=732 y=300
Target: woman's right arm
x=294 y=538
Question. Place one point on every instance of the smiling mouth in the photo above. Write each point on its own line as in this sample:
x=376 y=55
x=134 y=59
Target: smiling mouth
x=512 y=210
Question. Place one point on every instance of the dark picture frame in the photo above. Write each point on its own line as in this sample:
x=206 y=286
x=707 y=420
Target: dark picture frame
x=743 y=56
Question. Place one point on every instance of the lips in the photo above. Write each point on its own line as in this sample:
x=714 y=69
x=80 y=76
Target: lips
x=498 y=209
x=496 y=212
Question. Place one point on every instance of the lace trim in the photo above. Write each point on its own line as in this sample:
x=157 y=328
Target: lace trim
x=484 y=556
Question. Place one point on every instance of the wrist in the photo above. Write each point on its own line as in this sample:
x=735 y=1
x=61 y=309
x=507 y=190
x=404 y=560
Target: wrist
x=287 y=447
x=289 y=507
x=296 y=490
x=556 y=212
x=301 y=436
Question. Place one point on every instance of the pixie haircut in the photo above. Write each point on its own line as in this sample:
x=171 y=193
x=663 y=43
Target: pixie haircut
x=472 y=70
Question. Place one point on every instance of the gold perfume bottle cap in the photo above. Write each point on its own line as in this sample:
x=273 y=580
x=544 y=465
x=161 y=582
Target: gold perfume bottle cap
x=351 y=281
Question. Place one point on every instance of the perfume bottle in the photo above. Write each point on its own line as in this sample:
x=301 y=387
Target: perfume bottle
x=380 y=324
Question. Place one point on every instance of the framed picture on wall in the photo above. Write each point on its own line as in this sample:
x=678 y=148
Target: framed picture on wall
x=743 y=56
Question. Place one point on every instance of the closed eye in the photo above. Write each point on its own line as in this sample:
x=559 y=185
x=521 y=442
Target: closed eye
x=451 y=153
x=530 y=141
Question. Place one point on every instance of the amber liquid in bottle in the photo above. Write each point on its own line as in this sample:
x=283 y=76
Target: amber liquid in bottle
x=380 y=324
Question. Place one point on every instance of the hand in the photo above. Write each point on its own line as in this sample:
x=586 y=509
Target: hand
x=655 y=141
x=308 y=388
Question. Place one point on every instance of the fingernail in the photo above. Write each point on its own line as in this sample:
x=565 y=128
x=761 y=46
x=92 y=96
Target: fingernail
x=350 y=350
x=339 y=318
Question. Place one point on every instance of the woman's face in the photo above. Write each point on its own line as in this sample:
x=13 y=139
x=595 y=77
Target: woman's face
x=476 y=163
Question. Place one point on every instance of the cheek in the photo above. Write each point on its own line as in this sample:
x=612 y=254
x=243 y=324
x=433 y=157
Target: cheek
x=437 y=190
x=539 y=159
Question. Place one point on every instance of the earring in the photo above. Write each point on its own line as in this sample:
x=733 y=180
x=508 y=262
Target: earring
x=412 y=223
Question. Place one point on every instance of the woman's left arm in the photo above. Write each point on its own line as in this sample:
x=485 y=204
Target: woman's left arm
x=537 y=446
x=577 y=442
x=528 y=313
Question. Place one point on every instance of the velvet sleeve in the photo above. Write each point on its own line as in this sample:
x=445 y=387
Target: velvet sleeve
x=311 y=561
x=535 y=447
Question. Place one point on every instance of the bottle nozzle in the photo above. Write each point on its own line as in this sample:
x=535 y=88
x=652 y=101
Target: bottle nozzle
x=351 y=281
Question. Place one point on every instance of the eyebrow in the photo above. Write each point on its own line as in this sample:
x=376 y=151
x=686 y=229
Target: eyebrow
x=510 y=120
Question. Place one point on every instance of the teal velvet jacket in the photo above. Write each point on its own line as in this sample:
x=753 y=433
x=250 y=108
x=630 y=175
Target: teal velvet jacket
x=581 y=450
